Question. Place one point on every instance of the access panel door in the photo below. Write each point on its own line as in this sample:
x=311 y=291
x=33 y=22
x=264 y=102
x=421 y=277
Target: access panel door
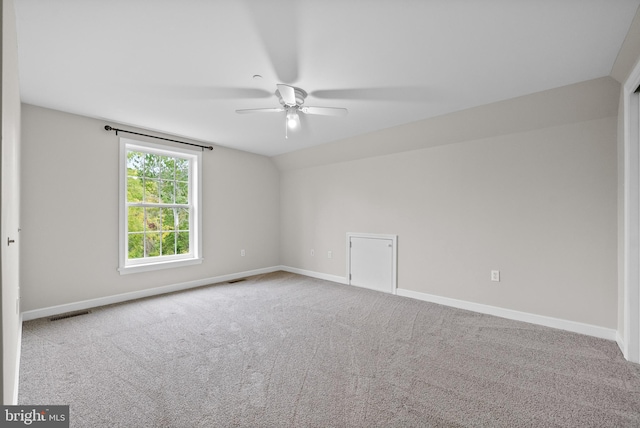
x=372 y=262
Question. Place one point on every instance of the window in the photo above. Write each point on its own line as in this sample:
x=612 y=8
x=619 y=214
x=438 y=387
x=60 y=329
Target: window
x=159 y=206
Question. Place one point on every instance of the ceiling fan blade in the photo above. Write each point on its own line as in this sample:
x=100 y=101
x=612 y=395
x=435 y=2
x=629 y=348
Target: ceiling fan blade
x=260 y=110
x=388 y=93
x=227 y=93
x=325 y=111
x=277 y=26
x=288 y=94
x=200 y=92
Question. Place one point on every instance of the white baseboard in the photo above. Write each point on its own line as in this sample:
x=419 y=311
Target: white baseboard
x=573 y=326
x=17 y=373
x=118 y=298
x=312 y=274
x=621 y=344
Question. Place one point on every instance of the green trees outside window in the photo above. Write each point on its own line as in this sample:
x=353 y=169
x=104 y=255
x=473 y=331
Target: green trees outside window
x=158 y=205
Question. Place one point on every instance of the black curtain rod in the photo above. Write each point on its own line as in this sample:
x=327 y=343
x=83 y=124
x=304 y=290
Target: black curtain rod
x=109 y=128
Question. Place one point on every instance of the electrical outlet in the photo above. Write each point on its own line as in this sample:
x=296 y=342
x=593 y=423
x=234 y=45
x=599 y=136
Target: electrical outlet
x=313 y=253
x=242 y=253
x=495 y=275
x=329 y=254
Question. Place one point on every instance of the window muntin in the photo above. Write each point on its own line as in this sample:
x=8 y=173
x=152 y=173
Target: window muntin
x=159 y=205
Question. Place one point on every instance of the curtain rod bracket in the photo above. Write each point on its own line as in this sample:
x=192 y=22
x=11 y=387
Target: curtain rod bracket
x=110 y=128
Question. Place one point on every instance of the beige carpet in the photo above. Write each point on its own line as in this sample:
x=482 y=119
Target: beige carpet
x=282 y=350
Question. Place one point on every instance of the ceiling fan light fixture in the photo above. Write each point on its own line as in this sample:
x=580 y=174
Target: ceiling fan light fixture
x=293 y=120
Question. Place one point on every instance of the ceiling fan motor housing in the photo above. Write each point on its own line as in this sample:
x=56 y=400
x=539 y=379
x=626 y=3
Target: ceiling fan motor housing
x=301 y=94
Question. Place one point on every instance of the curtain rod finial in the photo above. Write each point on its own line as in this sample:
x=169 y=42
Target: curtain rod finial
x=108 y=128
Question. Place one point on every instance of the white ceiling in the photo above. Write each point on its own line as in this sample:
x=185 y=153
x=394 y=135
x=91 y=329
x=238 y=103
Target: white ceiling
x=184 y=67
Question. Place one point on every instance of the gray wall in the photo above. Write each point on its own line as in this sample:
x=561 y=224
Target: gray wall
x=70 y=213
x=530 y=190
x=9 y=207
x=526 y=186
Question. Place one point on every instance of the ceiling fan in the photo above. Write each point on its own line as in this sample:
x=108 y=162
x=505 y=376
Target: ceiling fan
x=292 y=101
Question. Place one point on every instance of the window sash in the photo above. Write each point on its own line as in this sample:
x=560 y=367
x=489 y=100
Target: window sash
x=161 y=231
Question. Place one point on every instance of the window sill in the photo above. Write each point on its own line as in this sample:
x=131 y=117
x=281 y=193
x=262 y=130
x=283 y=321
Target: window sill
x=158 y=266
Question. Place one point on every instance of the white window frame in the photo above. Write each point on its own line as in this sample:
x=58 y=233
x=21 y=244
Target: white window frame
x=194 y=256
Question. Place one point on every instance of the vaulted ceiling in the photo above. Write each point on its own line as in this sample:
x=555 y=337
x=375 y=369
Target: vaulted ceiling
x=185 y=67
